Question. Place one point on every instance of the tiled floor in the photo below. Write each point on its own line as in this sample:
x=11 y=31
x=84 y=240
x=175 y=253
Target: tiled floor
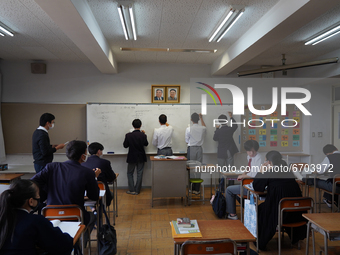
x=142 y=229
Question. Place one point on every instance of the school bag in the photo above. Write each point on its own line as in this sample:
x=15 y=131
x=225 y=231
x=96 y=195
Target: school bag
x=219 y=204
x=107 y=237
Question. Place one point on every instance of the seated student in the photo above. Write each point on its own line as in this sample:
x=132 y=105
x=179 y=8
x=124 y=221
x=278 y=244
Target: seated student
x=278 y=184
x=22 y=232
x=65 y=183
x=254 y=163
x=107 y=174
x=332 y=158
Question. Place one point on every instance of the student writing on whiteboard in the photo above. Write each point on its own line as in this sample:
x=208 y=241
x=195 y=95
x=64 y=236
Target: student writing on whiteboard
x=254 y=163
x=22 y=232
x=136 y=157
x=226 y=145
x=162 y=137
x=41 y=148
x=194 y=137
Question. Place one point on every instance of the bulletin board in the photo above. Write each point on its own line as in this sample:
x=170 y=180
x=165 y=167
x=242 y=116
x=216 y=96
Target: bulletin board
x=273 y=135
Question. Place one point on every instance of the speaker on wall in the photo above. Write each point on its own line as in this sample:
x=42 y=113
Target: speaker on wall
x=38 y=68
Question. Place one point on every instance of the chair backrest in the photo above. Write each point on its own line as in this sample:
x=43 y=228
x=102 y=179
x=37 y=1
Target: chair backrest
x=101 y=186
x=209 y=246
x=247 y=181
x=63 y=213
x=295 y=204
x=298 y=166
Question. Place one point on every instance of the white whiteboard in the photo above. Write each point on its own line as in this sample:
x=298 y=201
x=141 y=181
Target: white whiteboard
x=108 y=124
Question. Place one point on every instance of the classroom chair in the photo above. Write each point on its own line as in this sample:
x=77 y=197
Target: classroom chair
x=191 y=181
x=293 y=204
x=300 y=167
x=243 y=196
x=114 y=201
x=209 y=246
x=67 y=213
x=336 y=180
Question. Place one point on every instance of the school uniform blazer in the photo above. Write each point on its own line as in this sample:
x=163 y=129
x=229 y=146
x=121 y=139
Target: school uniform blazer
x=41 y=148
x=107 y=174
x=33 y=230
x=65 y=183
x=136 y=141
x=224 y=137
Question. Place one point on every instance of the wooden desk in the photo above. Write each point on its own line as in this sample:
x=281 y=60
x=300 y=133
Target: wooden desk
x=8 y=178
x=327 y=224
x=78 y=234
x=169 y=178
x=20 y=169
x=218 y=229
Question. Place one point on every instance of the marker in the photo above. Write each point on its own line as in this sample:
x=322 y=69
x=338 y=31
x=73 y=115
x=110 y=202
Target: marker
x=66 y=142
x=110 y=152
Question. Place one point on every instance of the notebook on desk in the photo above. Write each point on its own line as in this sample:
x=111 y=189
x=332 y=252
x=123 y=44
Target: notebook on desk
x=69 y=227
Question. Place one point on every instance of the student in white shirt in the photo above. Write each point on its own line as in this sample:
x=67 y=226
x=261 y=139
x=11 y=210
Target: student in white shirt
x=194 y=137
x=162 y=137
x=254 y=163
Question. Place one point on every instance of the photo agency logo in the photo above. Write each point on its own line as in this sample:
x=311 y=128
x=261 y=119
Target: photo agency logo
x=239 y=106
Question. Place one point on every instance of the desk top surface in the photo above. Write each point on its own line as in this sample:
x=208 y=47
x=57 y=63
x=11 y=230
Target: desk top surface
x=9 y=177
x=329 y=222
x=25 y=169
x=213 y=229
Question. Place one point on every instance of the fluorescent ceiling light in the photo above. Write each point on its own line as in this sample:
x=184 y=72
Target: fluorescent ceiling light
x=168 y=50
x=127 y=19
x=324 y=36
x=2 y=34
x=230 y=19
x=6 y=31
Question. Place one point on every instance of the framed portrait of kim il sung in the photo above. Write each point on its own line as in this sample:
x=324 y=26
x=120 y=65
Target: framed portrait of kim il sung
x=158 y=93
x=173 y=93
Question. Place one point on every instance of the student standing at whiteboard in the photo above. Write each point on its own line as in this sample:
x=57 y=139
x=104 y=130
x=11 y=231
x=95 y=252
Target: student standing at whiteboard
x=162 y=137
x=194 y=137
x=135 y=141
x=226 y=144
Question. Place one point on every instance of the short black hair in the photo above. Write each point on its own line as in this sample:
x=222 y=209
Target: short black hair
x=136 y=123
x=195 y=117
x=329 y=148
x=222 y=117
x=159 y=90
x=172 y=90
x=75 y=149
x=162 y=119
x=46 y=117
x=251 y=144
x=94 y=147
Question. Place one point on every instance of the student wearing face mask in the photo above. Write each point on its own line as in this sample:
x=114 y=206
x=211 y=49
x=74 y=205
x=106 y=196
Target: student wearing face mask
x=41 y=147
x=22 y=232
x=95 y=161
x=65 y=183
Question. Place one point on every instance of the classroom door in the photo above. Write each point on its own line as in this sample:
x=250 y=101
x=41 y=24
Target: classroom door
x=336 y=125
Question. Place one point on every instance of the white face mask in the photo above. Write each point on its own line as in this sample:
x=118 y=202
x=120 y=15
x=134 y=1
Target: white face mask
x=86 y=156
x=52 y=126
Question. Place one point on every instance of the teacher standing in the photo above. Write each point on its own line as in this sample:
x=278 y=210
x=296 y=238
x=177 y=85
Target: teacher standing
x=41 y=148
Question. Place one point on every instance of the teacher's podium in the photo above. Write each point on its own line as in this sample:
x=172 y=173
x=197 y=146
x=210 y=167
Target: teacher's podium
x=169 y=178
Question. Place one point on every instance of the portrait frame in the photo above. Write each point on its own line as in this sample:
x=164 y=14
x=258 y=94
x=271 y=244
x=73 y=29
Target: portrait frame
x=177 y=95
x=154 y=89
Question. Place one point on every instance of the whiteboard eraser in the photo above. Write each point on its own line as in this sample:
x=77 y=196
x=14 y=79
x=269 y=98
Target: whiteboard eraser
x=110 y=152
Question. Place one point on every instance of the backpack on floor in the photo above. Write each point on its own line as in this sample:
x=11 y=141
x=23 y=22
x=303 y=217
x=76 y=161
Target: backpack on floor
x=219 y=204
x=107 y=237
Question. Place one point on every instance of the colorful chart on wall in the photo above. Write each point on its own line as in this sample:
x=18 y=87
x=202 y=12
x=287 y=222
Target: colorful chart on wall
x=275 y=131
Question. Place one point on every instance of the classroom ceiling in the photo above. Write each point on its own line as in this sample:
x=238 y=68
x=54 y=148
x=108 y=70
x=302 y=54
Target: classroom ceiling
x=90 y=31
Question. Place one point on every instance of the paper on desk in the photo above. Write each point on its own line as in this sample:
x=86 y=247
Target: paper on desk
x=69 y=227
x=101 y=193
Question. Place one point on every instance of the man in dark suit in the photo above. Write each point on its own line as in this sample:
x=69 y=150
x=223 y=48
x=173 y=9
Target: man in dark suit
x=95 y=161
x=41 y=148
x=159 y=95
x=136 y=157
x=226 y=144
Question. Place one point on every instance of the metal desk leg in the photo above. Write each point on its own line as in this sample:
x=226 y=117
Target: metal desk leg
x=247 y=249
x=326 y=243
x=307 y=237
x=116 y=207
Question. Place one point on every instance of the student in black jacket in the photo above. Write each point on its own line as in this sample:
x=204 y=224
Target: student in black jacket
x=41 y=147
x=135 y=141
x=22 y=232
x=95 y=161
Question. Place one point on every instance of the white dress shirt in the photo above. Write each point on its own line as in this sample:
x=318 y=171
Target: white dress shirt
x=194 y=135
x=325 y=164
x=42 y=128
x=162 y=136
x=254 y=165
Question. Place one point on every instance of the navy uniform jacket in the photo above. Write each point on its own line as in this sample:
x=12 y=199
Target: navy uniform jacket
x=224 y=137
x=107 y=174
x=135 y=141
x=65 y=183
x=33 y=230
x=41 y=148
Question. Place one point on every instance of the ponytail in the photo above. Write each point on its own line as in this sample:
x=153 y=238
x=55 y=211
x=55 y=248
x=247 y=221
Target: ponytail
x=10 y=199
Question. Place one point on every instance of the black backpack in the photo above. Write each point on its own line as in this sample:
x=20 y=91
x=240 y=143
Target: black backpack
x=219 y=204
x=107 y=237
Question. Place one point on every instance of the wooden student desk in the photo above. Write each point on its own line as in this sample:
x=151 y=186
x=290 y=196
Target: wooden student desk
x=8 y=178
x=327 y=224
x=219 y=229
x=169 y=178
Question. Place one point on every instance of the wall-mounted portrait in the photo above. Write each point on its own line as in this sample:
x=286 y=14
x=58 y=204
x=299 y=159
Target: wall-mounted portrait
x=173 y=94
x=158 y=94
